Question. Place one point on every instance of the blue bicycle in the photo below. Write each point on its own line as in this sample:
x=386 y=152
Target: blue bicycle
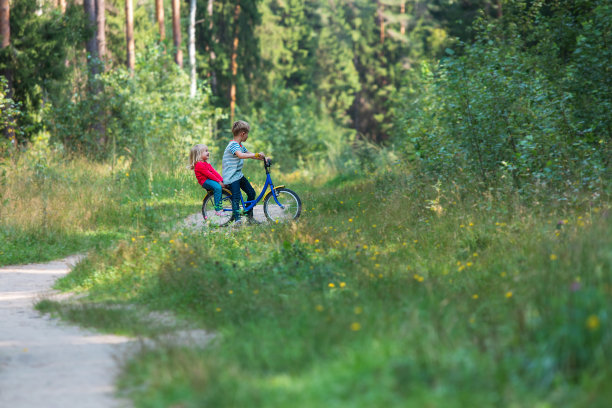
x=279 y=204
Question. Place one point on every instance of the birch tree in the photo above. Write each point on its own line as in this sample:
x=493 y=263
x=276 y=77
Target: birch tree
x=192 y=50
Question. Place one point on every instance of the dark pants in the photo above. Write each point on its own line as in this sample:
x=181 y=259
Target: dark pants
x=235 y=187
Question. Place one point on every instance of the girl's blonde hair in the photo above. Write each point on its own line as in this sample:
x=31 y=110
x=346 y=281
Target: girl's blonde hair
x=195 y=154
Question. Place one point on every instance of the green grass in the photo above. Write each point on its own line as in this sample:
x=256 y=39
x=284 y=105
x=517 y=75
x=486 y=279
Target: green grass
x=387 y=292
x=75 y=206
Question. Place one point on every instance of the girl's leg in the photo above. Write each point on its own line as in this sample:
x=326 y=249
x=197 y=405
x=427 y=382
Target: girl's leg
x=216 y=188
x=250 y=192
x=235 y=189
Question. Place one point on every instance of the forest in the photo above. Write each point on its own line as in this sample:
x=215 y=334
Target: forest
x=453 y=159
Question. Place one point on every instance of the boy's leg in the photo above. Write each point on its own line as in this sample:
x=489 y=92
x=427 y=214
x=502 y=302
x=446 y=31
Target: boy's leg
x=235 y=189
x=250 y=192
x=216 y=188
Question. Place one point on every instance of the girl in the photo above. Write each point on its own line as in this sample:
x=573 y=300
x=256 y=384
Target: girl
x=207 y=176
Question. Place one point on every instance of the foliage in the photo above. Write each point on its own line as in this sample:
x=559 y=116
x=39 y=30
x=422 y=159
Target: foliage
x=220 y=41
x=293 y=130
x=40 y=45
x=10 y=112
x=146 y=116
x=496 y=113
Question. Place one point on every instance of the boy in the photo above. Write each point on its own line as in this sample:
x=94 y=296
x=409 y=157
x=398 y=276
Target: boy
x=233 y=160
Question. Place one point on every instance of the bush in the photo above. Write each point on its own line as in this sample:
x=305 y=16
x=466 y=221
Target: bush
x=503 y=110
x=293 y=130
x=146 y=115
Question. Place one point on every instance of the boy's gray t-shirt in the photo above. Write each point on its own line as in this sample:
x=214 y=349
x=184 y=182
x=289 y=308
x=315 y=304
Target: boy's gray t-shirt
x=232 y=165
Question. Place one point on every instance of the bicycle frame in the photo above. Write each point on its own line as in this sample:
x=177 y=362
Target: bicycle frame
x=248 y=205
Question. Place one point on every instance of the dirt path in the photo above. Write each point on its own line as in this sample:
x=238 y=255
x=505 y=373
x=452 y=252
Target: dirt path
x=46 y=363
x=195 y=221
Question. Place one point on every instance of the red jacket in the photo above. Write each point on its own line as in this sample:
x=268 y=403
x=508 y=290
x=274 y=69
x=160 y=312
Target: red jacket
x=205 y=171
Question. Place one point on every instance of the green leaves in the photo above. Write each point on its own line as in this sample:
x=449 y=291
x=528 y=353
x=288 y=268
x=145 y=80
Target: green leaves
x=508 y=111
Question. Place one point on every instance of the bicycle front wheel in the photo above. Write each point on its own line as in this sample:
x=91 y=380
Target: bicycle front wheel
x=289 y=209
x=208 y=209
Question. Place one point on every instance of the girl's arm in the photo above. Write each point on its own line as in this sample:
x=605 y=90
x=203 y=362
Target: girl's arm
x=212 y=174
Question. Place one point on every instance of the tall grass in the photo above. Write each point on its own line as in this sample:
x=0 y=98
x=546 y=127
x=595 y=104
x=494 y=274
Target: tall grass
x=388 y=292
x=53 y=206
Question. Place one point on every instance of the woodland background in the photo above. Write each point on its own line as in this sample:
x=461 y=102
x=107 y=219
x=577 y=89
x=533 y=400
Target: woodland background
x=505 y=90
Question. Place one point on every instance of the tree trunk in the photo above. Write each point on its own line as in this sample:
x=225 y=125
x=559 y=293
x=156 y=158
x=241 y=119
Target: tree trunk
x=381 y=21
x=159 y=15
x=129 y=34
x=5 y=23
x=234 y=62
x=5 y=33
x=92 y=44
x=210 y=48
x=62 y=5
x=192 y=50
x=101 y=34
x=499 y=9
x=403 y=22
x=176 y=32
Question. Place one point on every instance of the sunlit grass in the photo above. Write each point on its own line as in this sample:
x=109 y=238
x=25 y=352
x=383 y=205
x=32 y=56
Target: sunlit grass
x=52 y=207
x=376 y=297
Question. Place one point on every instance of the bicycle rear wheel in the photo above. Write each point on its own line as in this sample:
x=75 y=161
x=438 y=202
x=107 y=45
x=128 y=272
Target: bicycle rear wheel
x=208 y=209
x=291 y=206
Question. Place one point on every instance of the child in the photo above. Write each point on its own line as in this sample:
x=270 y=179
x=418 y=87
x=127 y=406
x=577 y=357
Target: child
x=207 y=177
x=233 y=160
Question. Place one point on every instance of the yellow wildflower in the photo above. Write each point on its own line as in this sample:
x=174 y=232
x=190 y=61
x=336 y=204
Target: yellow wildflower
x=592 y=322
x=355 y=326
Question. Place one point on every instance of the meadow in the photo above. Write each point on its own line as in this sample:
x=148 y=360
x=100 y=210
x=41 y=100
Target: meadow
x=390 y=290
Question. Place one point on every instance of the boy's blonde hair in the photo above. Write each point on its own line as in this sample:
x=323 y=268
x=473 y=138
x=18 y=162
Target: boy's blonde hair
x=195 y=153
x=240 y=126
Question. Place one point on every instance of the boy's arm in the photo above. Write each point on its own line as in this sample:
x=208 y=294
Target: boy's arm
x=257 y=156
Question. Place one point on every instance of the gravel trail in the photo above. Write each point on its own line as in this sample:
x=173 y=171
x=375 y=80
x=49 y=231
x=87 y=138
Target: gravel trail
x=44 y=362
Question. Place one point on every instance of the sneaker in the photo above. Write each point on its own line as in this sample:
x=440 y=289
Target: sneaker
x=238 y=222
